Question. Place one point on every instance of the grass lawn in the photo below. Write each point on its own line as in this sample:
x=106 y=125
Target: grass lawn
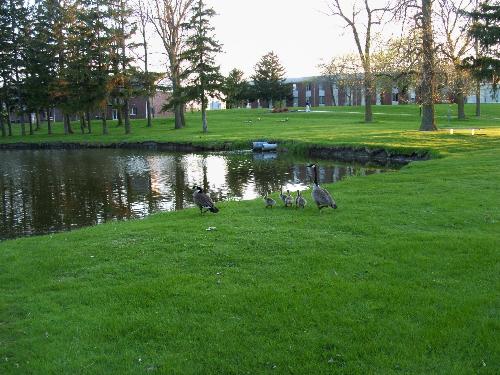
x=402 y=278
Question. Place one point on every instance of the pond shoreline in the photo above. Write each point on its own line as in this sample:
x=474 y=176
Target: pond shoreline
x=340 y=153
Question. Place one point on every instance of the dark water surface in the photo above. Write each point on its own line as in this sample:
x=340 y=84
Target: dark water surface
x=46 y=191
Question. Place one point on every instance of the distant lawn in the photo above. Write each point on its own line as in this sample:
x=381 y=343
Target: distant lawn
x=403 y=278
x=394 y=127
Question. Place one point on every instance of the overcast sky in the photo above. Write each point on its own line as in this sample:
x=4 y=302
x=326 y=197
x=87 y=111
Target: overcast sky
x=298 y=31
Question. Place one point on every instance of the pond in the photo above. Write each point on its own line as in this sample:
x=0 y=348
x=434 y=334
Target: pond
x=47 y=191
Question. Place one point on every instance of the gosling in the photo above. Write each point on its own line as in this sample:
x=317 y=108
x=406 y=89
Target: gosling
x=270 y=202
x=300 y=201
x=288 y=199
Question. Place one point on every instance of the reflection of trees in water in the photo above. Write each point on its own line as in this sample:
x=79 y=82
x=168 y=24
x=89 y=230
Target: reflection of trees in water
x=240 y=171
x=46 y=191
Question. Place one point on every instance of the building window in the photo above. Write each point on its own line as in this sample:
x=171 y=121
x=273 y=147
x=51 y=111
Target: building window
x=395 y=97
x=295 y=86
x=321 y=100
x=308 y=87
x=295 y=102
x=320 y=86
x=133 y=111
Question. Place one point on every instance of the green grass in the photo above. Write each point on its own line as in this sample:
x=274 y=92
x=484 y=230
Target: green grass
x=402 y=278
x=395 y=127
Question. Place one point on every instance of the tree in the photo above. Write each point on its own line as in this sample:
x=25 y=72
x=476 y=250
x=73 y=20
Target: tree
x=421 y=13
x=170 y=22
x=269 y=79
x=456 y=43
x=485 y=29
x=122 y=31
x=343 y=72
x=372 y=17
x=143 y=15
x=397 y=64
x=235 y=89
x=203 y=74
x=41 y=58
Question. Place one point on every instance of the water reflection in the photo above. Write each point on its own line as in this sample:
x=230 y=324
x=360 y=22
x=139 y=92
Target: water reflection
x=47 y=191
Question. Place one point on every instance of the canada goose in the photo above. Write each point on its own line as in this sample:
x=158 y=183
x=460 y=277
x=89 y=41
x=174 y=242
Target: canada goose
x=270 y=202
x=300 y=201
x=282 y=196
x=203 y=201
x=288 y=199
x=320 y=196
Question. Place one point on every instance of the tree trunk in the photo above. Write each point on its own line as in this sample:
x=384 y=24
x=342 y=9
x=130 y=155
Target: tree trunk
x=478 y=99
x=49 y=125
x=120 y=117
x=461 y=106
x=37 y=120
x=89 y=123
x=368 y=97
x=127 y=116
x=2 y=125
x=30 y=119
x=427 y=81
x=204 y=115
x=9 y=122
x=178 y=116
x=82 y=123
x=65 y=124
x=104 y=123
x=23 y=125
x=148 y=109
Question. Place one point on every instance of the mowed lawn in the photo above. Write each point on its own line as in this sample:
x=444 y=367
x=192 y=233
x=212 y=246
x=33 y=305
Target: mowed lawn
x=402 y=278
x=394 y=127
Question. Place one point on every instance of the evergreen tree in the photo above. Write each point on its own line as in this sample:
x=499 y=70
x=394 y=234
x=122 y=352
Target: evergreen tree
x=486 y=31
x=203 y=74
x=235 y=88
x=122 y=31
x=5 y=62
x=41 y=58
x=269 y=79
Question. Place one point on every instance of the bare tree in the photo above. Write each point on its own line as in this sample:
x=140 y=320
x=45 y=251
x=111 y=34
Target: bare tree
x=169 y=19
x=142 y=14
x=456 y=43
x=361 y=21
x=343 y=72
x=420 y=11
x=397 y=64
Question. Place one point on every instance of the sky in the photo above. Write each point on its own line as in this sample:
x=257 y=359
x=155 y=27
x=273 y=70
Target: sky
x=298 y=31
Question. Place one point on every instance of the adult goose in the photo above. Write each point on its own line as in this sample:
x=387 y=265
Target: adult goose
x=203 y=201
x=320 y=196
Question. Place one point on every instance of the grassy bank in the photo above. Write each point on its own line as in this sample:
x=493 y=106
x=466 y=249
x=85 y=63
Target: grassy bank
x=401 y=278
x=395 y=128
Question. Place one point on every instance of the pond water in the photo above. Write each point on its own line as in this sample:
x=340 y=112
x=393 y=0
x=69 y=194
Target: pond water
x=47 y=191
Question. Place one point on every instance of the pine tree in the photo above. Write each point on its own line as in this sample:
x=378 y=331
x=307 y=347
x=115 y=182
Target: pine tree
x=203 y=74
x=235 y=88
x=269 y=79
x=41 y=58
x=486 y=31
x=122 y=31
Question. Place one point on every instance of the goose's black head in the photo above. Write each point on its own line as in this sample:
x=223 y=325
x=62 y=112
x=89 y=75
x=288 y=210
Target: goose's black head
x=199 y=189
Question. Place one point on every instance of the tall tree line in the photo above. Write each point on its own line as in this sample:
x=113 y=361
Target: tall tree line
x=65 y=54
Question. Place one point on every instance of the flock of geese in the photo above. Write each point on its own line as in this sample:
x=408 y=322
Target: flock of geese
x=321 y=197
